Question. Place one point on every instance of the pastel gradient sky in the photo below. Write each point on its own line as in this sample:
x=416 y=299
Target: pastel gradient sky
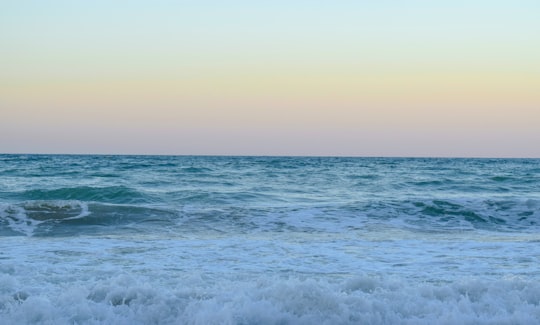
x=354 y=78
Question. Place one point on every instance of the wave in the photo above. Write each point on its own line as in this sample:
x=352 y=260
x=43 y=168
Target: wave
x=428 y=215
x=242 y=212
x=111 y=194
x=72 y=217
x=194 y=299
x=26 y=217
x=487 y=214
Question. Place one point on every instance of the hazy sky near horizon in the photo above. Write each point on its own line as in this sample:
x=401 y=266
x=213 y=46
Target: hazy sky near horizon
x=354 y=78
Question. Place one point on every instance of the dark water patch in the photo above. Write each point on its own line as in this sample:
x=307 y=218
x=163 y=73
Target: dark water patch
x=502 y=179
x=195 y=170
x=105 y=175
x=497 y=220
x=431 y=183
x=364 y=177
x=473 y=217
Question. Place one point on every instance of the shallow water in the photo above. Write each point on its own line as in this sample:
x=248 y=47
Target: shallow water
x=268 y=240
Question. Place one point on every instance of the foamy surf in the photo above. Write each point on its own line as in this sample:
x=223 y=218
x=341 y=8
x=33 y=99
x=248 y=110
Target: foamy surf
x=193 y=299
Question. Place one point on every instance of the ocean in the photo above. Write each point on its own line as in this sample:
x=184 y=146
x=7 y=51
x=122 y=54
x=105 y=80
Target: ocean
x=94 y=239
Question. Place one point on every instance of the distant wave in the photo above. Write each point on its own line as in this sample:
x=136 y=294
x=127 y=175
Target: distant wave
x=110 y=194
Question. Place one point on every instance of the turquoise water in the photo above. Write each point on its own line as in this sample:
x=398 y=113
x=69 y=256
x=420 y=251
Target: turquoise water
x=268 y=240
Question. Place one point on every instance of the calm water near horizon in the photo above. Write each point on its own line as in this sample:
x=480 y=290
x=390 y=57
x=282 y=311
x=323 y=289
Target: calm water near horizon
x=90 y=239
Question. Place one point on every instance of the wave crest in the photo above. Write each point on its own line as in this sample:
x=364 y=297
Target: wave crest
x=26 y=217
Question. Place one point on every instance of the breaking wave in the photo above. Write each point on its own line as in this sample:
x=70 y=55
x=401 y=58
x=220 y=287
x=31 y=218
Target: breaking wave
x=194 y=299
x=71 y=217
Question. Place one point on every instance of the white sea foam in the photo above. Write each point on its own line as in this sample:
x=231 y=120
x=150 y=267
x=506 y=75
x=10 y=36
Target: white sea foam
x=267 y=279
x=128 y=299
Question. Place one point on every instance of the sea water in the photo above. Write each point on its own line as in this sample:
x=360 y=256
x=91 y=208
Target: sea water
x=268 y=240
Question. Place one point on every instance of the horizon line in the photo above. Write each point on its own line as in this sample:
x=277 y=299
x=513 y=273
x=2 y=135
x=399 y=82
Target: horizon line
x=262 y=156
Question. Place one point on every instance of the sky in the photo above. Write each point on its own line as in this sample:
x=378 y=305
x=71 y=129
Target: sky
x=327 y=78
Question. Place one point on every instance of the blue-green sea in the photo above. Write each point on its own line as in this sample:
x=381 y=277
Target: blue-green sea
x=95 y=239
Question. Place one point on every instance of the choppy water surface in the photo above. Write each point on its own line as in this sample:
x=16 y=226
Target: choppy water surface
x=268 y=240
